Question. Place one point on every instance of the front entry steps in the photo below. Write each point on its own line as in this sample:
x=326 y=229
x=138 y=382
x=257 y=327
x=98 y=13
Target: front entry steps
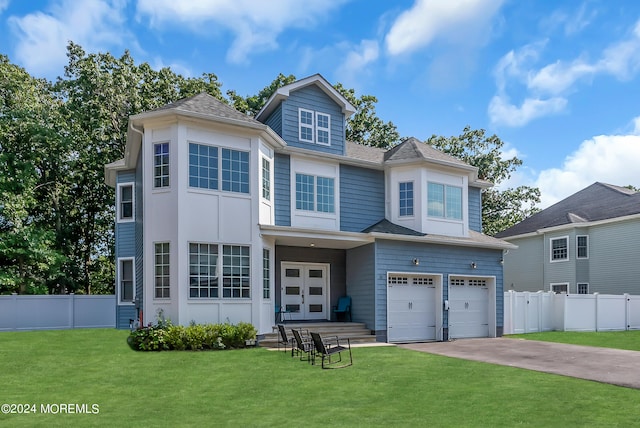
x=356 y=332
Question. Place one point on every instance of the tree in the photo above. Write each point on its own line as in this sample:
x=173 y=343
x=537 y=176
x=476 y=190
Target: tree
x=251 y=105
x=500 y=208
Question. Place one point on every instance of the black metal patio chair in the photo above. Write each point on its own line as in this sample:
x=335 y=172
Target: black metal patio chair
x=328 y=353
x=304 y=345
x=284 y=339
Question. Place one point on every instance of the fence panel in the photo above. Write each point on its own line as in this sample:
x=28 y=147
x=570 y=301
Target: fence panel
x=47 y=312
x=580 y=312
x=611 y=312
x=633 y=312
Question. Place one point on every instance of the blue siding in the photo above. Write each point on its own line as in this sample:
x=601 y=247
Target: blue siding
x=125 y=234
x=274 y=121
x=139 y=235
x=282 y=189
x=475 y=209
x=396 y=256
x=361 y=284
x=312 y=98
x=361 y=198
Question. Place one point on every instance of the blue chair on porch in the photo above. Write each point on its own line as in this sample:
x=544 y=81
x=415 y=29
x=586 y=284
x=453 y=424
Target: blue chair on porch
x=343 y=307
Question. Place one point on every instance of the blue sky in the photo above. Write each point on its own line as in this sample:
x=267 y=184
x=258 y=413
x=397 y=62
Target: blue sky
x=558 y=81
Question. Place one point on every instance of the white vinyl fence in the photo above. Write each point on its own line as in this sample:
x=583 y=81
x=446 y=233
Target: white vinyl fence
x=529 y=312
x=48 y=312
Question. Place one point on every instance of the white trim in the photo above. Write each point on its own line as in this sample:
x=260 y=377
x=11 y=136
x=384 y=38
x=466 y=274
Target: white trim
x=551 y=284
x=578 y=287
x=551 y=260
x=492 y=285
x=153 y=167
x=319 y=128
x=577 y=252
x=119 y=278
x=305 y=125
x=119 y=187
x=413 y=199
x=327 y=285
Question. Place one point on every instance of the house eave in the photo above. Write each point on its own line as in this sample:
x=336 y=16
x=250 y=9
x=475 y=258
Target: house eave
x=495 y=244
x=314 y=238
x=346 y=160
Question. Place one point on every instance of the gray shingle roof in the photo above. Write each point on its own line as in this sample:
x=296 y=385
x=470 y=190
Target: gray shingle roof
x=413 y=149
x=206 y=104
x=599 y=201
x=385 y=226
x=364 y=153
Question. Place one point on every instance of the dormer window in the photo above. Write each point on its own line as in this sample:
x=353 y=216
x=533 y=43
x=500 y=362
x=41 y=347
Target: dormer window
x=444 y=201
x=314 y=127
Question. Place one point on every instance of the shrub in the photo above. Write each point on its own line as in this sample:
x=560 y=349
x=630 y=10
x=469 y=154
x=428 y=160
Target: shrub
x=165 y=336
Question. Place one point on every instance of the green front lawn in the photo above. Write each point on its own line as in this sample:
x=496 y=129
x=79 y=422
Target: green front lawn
x=386 y=386
x=605 y=339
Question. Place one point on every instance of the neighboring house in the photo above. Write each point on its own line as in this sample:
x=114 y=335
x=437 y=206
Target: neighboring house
x=584 y=244
x=224 y=217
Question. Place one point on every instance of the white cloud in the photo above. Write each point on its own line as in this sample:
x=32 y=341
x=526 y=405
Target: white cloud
x=357 y=59
x=3 y=5
x=503 y=112
x=428 y=20
x=43 y=37
x=255 y=25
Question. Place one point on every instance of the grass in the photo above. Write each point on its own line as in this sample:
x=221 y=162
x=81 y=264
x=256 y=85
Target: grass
x=610 y=339
x=386 y=386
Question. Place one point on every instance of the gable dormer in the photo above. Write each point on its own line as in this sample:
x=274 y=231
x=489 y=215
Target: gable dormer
x=309 y=114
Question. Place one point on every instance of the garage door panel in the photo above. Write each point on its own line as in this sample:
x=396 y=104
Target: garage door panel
x=468 y=309
x=411 y=311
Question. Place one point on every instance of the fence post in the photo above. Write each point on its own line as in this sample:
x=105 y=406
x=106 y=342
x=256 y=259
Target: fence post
x=14 y=315
x=627 y=311
x=597 y=297
x=71 y=310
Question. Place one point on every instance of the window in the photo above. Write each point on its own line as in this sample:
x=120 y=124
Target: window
x=322 y=128
x=266 y=179
x=161 y=274
x=161 y=165
x=406 y=199
x=203 y=166
x=235 y=271
x=126 y=282
x=306 y=125
x=559 y=249
x=582 y=247
x=314 y=127
x=583 y=288
x=235 y=171
x=444 y=201
x=125 y=202
x=266 y=274
x=560 y=288
x=315 y=193
x=203 y=270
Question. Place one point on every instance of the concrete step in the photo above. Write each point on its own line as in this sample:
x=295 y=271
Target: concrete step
x=355 y=332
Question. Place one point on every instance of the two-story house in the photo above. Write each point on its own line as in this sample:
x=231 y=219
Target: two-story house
x=583 y=244
x=223 y=217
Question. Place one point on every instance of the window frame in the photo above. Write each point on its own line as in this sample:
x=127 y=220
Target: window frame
x=157 y=165
x=585 y=247
x=319 y=128
x=231 y=182
x=230 y=273
x=553 y=284
x=266 y=273
x=315 y=195
x=131 y=260
x=198 y=155
x=198 y=276
x=162 y=276
x=401 y=199
x=224 y=169
x=551 y=255
x=266 y=179
x=445 y=201
x=119 y=202
x=578 y=287
x=311 y=126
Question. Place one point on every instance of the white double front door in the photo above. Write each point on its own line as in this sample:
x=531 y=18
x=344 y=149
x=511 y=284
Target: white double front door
x=304 y=291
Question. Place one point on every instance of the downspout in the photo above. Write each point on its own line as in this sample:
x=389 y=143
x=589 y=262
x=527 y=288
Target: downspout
x=140 y=310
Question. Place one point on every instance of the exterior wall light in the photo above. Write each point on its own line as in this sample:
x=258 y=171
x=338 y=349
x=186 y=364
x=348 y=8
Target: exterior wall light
x=474 y=265
x=415 y=261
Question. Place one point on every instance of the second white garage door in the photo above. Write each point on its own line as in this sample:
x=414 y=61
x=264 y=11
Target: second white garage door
x=468 y=307
x=411 y=307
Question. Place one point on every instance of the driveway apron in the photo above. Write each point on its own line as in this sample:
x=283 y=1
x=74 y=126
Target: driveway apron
x=614 y=366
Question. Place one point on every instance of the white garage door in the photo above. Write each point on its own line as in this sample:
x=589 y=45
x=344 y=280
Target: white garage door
x=468 y=308
x=411 y=315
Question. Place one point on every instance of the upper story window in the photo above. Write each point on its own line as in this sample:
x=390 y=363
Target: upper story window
x=266 y=179
x=161 y=165
x=583 y=288
x=314 y=127
x=559 y=249
x=205 y=167
x=125 y=202
x=444 y=201
x=582 y=246
x=315 y=193
x=406 y=199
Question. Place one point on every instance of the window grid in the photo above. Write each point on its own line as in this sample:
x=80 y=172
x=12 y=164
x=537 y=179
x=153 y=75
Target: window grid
x=444 y=201
x=126 y=281
x=583 y=288
x=325 y=195
x=266 y=274
x=322 y=129
x=126 y=202
x=457 y=282
x=398 y=280
x=235 y=171
x=582 y=247
x=162 y=280
x=235 y=271
x=453 y=205
x=266 y=179
x=203 y=270
x=305 y=192
x=559 y=249
x=203 y=166
x=406 y=199
x=306 y=125
x=435 y=200
x=422 y=281
x=161 y=165
x=478 y=282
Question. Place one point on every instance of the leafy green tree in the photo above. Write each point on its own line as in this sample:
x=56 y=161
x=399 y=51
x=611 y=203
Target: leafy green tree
x=500 y=208
x=252 y=104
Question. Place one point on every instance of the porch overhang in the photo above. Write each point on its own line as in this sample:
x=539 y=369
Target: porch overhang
x=315 y=238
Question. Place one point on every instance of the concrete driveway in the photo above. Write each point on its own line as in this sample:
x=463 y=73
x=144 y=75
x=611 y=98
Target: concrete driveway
x=614 y=366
